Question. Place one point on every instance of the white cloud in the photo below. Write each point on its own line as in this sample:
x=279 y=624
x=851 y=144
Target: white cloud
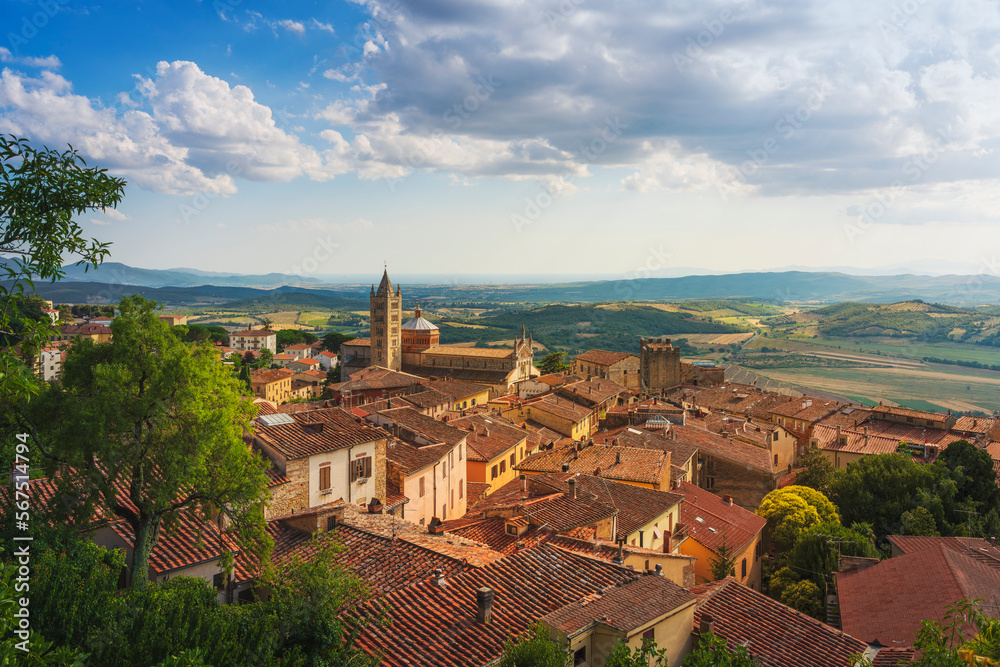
x=325 y=27
x=296 y=27
x=48 y=62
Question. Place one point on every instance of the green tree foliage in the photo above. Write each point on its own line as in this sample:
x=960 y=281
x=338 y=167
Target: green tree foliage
x=196 y=333
x=534 y=648
x=713 y=651
x=792 y=510
x=805 y=596
x=723 y=561
x=553 y=363
x=919 y=521
x=817 y=471
x=972 y=470
x=41 y=192
x=159 y=418
x=286 y=337
x=333 y=340
x=817 y=551
x=780 y=581
x=646 y=654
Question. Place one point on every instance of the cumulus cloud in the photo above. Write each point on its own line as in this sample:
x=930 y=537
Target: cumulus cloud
x=838 y=96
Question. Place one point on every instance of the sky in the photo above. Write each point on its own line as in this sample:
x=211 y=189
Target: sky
x=505 y=137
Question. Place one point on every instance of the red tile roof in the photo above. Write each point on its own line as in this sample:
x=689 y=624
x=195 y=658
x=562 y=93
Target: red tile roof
x=775 y=635
x=191 y=541
x=253 y=332
x=603 y=357
x=857 y=442
x=711 y=522
x=315 y=432
x=681 y=451
x=724 y=448
x=627 y=607
x=424 y=426
x=489 y=436
x=590 y=393
x=889 y=600
x=411 y=459
x=907 y=412
x=456 y=389
x=979 y=425
x=436 y=625
x=560 y=407
x=627 y=464
x=975 y=547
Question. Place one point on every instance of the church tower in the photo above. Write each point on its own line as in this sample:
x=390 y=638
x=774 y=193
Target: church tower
x=385 y=308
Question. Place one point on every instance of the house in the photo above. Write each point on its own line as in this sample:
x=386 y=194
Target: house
x=375 y=383
x=49 y=365
x=559 y=414
x=299 y=350
x=463 y=395
x=326 y=454
x=303 y=364
x=778 y=441
x=472 y=615
x=974 y=547
x=52 y=313
x=649 y=468
x=281 y=359
x=650 y=608
x=255 y=340
x=887 y=602
x=620 y=367
x=355 y=355
x=919 y=418
x=683 y=456
x=711 y=522
x=274 y=386
x=174 y=320
x=543 y=384
x=773 y=634
x=595 y=394
x=431 y=402
x=434 y=476
x=327 y=360
x=798 y=417
x=495 y=446
x=843 y=446
x=98 y=333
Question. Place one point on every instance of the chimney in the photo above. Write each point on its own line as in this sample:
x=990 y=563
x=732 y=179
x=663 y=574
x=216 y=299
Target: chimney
x=707 y=624
x=641 y=531
x=572 y=487
x=565 y=466
x=668 y=540
x=659 y=570
x=618 y=458
x=439 y=577
x=484 y=605
x=524 y=483
x=728 y=500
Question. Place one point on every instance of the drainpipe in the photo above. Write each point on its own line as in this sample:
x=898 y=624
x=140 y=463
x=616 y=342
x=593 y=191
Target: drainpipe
x=349 y=459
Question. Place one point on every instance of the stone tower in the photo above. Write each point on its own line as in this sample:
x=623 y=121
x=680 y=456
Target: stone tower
x=659 y=364
x=385 y=309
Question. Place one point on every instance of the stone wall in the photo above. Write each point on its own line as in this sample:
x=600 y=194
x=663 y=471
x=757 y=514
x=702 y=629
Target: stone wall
x=293 y=494
x=702 y=376
x=722 y=477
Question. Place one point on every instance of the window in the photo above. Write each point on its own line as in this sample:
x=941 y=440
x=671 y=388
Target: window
x=503 y=467
x=219 y=581
x=473 y=401
x=758 y=551
x=361 y=467
x=444 y=512
x=460 y=452
x=324 y=477
x=444 y=470
x=522 y=453
x=421 y=488
x=775 y=459
x=513 y=459
x=453 y=498
x=648 y=635
x=743 y=568
x=493 y=473
x=461 y=488
x=580 y=656
x=512 y=530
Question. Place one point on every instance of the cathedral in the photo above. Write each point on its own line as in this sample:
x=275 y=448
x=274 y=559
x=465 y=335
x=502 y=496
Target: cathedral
x=414 y=347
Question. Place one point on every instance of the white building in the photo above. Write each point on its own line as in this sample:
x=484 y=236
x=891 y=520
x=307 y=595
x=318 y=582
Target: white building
x=255 y=340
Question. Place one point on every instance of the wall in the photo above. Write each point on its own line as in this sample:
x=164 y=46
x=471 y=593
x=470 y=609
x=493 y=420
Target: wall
x=702 y=376
x=672 y=633
x=341 y=485
x=703 y=567
x=747 y=487
x=659 y=364
x=438 y=490
x=294 y=494
x=665 y=521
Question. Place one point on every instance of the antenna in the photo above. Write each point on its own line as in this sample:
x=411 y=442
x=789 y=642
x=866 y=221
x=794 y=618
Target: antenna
x=968 y=527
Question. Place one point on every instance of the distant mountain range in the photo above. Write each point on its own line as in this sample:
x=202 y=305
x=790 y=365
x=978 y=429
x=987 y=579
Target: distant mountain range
x=186 y=287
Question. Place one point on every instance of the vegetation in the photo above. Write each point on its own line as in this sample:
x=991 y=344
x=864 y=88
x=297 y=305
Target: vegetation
x=333 y=340
x=159 y=418
x=286 y=337
x=713 y=651
x=792 y=510
x=723 y=561
x=41 y=192
x=553 y=363
x=817 y=471
x=534 y=648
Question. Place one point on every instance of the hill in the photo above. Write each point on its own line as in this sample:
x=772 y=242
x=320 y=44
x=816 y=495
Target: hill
x=118 y=273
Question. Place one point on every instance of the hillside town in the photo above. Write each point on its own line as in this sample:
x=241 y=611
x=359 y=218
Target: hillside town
x=627 y=498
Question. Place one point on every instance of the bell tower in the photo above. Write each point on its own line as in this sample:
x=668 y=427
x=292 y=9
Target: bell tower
x=385 y=309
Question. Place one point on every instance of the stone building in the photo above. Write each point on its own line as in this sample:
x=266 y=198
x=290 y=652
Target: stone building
x=619 y=367
x=414 y=347
x=661 y=368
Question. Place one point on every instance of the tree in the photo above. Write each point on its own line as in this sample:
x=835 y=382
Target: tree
x=818 y=471
x=266 y=323
x=553 y=363
x=645 y=655
x=41 y=191
x=919 y=521
x=151 y=426
x=972 y=470
x=723 y=562
x=791 y=510
x=805 y=596
x=333 y=340
x=713 y=651
x=817 y=552
x=780 y=581
x=534 y=648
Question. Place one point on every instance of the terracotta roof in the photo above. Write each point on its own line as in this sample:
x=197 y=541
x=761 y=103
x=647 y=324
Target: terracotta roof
x=856 y=443
x=475 y=492
x=268 y=376
x=192 y=541
x=980 y=425
x=557 y=379
x=430 y=398
x=357 y=342
x=560 y=407
x=628 y=464
x=590 y=392
x=489 y=436
x=376 y=377
x=410 y=458
x=366 y=409
x=975 y=547
x=711 y=522
x=888 y=601
x=637 y=506
x=603 y=357
x=491 y=531
x=425 y=426
x=681 y=451
x=893 y=657
x=907 y=412
x=436 y=625
x=456 y=389
x=327 y=353
x=627 y=607
x=775 y=635
x=315 y=432
x=806 y=409
x=724 y=448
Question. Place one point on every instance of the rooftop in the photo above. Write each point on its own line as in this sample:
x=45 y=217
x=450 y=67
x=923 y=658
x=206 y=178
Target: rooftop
x=315 y=432
x=603 y=357
x=424 y=426
x=712 y=522
x=489 y=436
x=627 y=464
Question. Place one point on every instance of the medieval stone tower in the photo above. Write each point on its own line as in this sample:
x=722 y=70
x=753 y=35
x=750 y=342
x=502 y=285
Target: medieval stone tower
x=659 y=364
x=385 y=308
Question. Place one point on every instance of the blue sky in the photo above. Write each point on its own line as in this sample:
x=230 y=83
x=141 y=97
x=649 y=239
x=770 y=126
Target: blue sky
x=503 y=137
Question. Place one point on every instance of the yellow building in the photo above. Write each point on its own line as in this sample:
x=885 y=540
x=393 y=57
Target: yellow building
x=559 y=414
x=709 y=522
x=463 y=395
x=495 y=447
x=274 y=386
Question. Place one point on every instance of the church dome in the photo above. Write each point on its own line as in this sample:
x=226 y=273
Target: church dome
x=418 y=323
